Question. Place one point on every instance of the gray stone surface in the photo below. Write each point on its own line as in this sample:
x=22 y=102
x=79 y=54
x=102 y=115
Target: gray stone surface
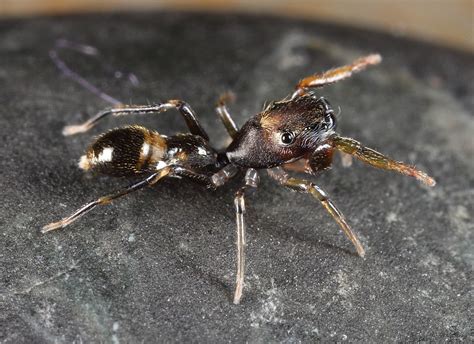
x=158 y=266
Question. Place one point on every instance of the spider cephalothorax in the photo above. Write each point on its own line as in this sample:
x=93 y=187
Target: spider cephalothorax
x=298 y=130
x=283 y=132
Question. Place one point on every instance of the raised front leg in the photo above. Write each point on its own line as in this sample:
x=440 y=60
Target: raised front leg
x=334 y=75
x=121 y=110
x=308 y=187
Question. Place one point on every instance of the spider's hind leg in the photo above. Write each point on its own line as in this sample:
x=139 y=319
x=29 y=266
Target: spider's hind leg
x=120 y=110
x=308 y=187
x=155 y=177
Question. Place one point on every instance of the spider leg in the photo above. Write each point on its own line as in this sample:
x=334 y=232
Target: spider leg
x=376 y=159
x=224 y=114
x=120 y=110
x=152 y=179
x=224 y=175
x=213 y=181
x=334 y=75
x=218 y=179
x=251 y=183
x=308 y=187
x=87 y=50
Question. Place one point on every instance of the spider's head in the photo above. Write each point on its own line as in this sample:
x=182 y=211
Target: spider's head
x=283 y=132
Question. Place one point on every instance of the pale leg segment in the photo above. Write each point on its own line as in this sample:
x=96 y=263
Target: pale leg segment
x=308 y=187
x=251 y=183
x=152 y=179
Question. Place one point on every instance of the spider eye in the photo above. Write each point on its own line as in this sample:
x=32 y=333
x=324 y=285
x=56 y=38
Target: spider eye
x=287 y=138
x=330 y=121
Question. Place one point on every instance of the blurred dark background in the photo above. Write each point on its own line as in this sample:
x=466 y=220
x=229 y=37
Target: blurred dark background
x=448 y=22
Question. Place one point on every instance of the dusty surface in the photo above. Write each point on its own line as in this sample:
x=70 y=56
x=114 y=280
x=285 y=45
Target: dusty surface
x=159 y=265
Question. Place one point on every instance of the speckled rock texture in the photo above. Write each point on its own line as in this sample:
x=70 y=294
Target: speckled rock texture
x=159 y=265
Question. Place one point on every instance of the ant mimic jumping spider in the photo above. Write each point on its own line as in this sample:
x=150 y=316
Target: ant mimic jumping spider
x=296 y=131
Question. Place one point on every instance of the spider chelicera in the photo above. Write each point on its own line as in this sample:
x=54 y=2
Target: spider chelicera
x=296 y=133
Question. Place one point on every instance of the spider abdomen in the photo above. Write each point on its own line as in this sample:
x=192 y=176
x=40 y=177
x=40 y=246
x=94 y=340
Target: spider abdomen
x=125 y=151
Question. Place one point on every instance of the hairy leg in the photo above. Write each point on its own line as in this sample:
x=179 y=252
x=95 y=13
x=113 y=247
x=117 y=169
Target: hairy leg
x=334 y=75
x=376 y=159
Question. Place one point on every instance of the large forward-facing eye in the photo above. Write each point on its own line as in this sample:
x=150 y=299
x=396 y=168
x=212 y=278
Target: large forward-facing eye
x=287 y=138
x=329 y=122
